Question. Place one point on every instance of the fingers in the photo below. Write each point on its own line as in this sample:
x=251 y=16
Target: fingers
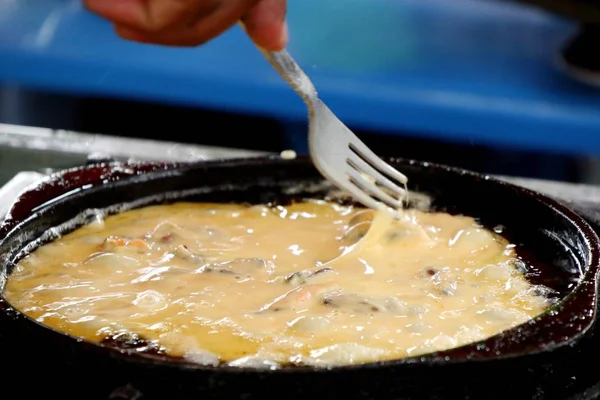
x=152 y=16
x=193 y=22
x=195 y=32
x=265 y=24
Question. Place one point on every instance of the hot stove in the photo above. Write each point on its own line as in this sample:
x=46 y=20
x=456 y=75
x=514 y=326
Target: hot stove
x=29 y=154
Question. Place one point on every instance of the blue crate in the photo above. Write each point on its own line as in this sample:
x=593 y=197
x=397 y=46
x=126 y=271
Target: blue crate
x=473 y=71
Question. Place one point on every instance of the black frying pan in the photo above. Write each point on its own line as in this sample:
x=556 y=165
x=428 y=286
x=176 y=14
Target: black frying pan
x=543 y=359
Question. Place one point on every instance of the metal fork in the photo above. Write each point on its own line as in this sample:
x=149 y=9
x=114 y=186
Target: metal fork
x=338 y=154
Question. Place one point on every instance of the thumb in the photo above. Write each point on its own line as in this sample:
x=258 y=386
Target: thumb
x=265 y=24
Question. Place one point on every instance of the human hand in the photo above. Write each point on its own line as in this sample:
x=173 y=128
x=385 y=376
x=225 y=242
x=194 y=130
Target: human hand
x=194 y=22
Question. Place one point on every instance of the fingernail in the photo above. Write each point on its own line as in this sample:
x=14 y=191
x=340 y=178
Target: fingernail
x=285 y=35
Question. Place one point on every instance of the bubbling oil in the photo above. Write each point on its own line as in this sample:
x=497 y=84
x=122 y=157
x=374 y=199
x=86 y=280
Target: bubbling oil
x=310 y=283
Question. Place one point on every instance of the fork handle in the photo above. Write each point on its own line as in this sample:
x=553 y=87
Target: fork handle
x=287 y=67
